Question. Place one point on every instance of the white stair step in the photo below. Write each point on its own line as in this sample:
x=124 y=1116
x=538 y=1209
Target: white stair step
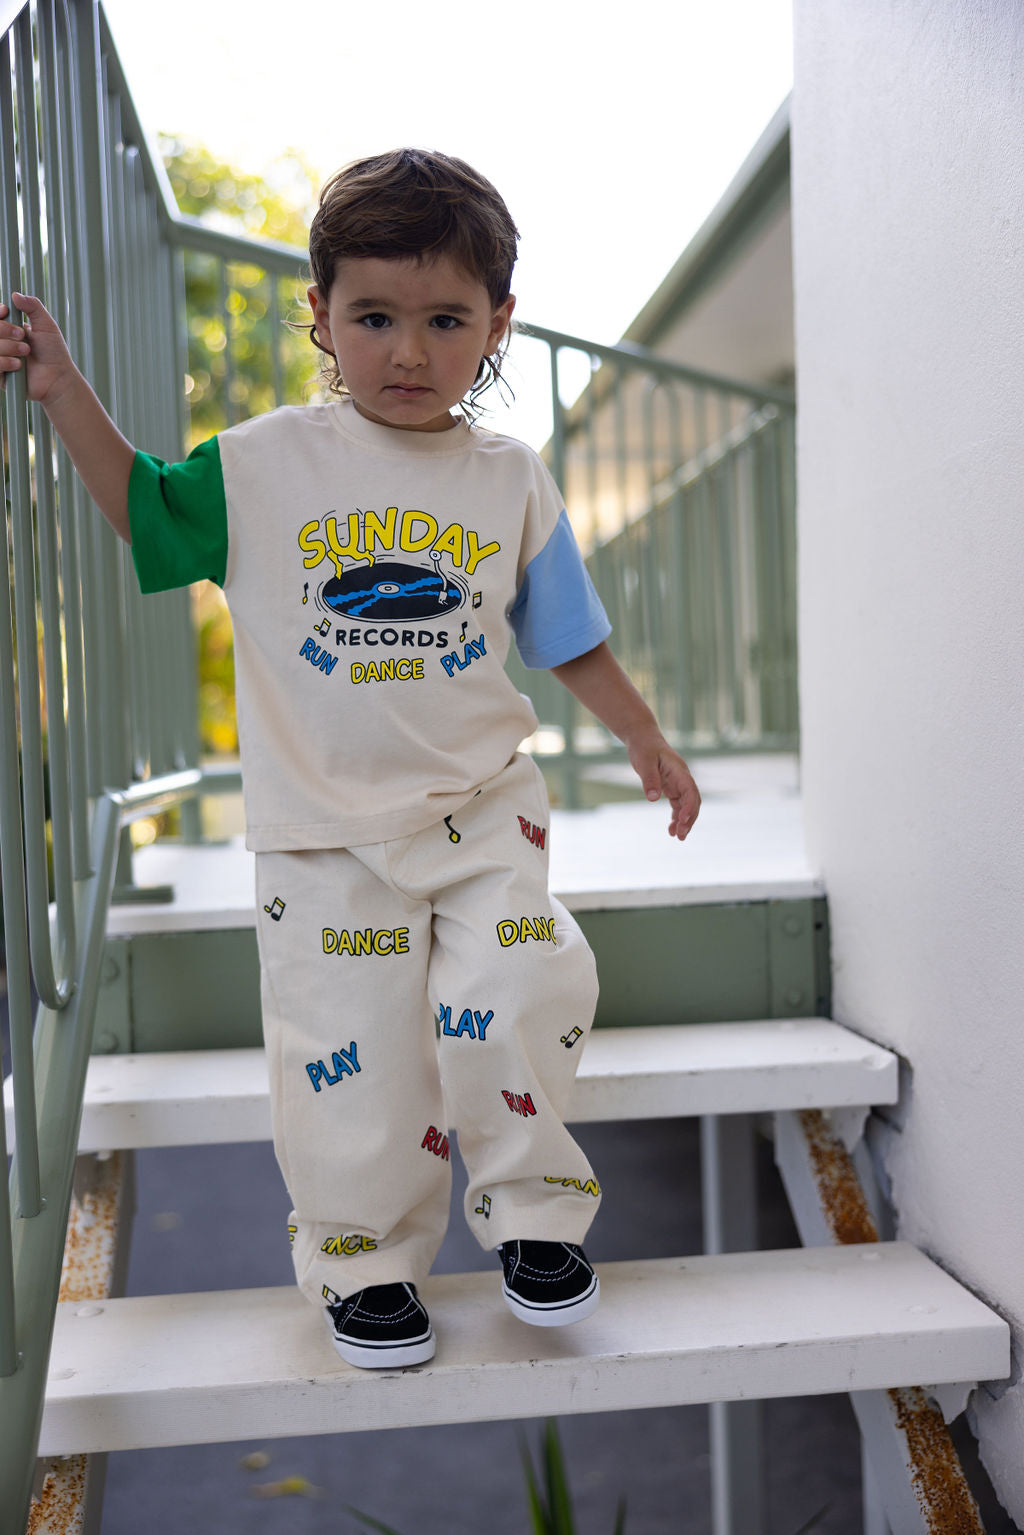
x=200 y=1097
x=231 y=1365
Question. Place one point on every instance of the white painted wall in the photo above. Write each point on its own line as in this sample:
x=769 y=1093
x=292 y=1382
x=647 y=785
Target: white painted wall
x=908 y=196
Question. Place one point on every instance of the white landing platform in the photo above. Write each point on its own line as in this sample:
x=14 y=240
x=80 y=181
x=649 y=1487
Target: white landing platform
x=747 y=845
x=165 y=1370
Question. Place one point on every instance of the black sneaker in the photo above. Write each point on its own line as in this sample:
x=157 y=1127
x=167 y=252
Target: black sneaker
x=548 y=1283
x=382 y=1327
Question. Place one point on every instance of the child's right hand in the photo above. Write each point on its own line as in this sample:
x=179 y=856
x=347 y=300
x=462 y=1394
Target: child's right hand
x=101 y=455
x=39 y=345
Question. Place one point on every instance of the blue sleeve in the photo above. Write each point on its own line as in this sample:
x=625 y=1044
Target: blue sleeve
x=557 y=614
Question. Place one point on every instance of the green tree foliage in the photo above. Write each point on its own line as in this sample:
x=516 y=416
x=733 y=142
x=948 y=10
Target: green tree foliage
x=239 y=343
x=241 y=349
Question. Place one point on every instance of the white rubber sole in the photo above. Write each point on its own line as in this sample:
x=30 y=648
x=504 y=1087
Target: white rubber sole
x=559 y=1315
x=394 y=1356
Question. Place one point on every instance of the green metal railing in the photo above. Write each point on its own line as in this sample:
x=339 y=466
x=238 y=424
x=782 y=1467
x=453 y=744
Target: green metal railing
x=680 y=485
x=97 y=685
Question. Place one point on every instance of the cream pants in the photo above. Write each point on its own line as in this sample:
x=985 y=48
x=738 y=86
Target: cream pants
x=409 y=987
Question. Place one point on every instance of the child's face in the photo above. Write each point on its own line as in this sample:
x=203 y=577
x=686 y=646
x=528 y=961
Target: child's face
x=408 y=336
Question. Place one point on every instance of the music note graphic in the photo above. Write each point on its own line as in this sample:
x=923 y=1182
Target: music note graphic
x=478 y=598
x=305 y=593
x=484 y=1207
x=453 y=835
x=276 y=910
x=568 y=1040
x=462 y=636
x=324 y=627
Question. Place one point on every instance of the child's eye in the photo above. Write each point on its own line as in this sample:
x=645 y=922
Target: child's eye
x=446 y=322
x=375 y=321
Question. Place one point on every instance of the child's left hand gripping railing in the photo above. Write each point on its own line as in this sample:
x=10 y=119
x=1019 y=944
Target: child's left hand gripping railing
x=97 y=685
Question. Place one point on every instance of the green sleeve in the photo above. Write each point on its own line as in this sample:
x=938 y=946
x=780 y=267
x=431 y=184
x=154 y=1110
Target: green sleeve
x=178 y=519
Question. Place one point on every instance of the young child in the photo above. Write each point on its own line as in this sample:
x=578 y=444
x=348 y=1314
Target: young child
x=378 y=554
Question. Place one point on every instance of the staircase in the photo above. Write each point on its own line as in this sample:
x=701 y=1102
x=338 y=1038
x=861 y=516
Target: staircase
x=849 y=1313
x=713 y=959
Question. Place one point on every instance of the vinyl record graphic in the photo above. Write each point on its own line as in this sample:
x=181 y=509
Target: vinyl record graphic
x=392 y=591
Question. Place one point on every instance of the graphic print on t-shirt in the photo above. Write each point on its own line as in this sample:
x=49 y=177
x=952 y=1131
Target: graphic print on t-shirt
x=370 y=588
x=393 y=591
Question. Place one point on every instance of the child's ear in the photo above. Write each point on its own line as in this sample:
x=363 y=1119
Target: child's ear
x=321 y=318
x=500 y=322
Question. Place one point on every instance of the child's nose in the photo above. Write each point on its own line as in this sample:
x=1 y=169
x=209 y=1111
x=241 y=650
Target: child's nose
x=408 y=350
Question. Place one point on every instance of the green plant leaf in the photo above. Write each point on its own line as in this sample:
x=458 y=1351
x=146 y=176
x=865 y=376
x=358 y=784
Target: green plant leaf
x=557 y=1485
x=620 y=1518
x=539 y=1519
x=367 y=1519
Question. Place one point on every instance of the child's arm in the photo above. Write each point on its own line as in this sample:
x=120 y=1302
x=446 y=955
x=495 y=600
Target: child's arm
x=599 y=682
x=98 y=451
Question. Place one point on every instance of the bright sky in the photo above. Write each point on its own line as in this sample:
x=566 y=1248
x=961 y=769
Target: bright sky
x=611 y=132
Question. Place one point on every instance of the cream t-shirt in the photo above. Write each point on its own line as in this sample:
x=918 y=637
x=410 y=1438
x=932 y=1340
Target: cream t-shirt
x=375 y=579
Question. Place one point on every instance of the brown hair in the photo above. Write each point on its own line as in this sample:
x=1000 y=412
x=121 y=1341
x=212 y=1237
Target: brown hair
x=415 y=204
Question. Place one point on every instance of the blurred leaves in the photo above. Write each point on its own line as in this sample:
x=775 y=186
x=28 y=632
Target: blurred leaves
x=217 y=725
x=239 y=344
x=276 y=204
x=256 y=1460
x=294 y=1486
x=287 y=1487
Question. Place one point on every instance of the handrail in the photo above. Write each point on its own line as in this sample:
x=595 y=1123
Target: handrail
x=53 y=992
x=30 y=1266
x=630 y=353
x=118 y=88
x=681 y=485
x=97 y=685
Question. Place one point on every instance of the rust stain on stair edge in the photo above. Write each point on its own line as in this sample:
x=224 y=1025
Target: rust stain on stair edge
x=60 y=1507
x=842 y=1198
x=937 y=1477
x=90 y=1249
x=940 y=1487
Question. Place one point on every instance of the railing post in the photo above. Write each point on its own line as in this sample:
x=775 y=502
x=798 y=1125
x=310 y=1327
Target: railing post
x=62 y=1056
x=729 y=1183
x=60 y=135
x=108 y=611
x=12 y=867
x=570 y=766
x=22 y=811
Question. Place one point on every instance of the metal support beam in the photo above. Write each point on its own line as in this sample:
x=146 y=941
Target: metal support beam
x=916 y=1485
x=821 y=1184
x=199 y=989
x=919 y=1479
x=729 y=1187
x=791 y=958
x=874 y=1520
